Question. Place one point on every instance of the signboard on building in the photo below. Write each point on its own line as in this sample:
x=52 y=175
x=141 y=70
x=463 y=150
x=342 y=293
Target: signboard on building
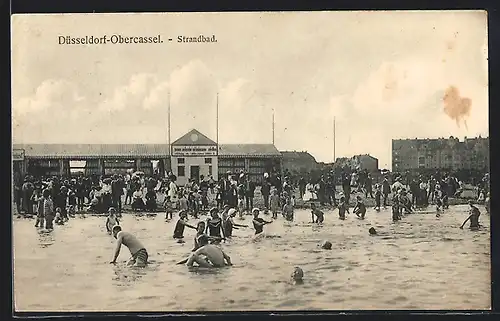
x=18 y=154
x=193 y=150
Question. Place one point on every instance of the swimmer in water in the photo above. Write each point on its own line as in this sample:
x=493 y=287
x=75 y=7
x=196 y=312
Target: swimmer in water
x=315 y=212
x=208 y=255
x=58 y=219
x=229 y=225
x=343 y=208
x=359 y=208
x=111 y=220
x=214 y=225
x=396 y=216
x=297 y=275
x=288 y=210
x=180 y=225
x=169 y=208
x=137 y=250
x=438 y=199
x=487 y=203
x=378 y=197
x=372 y=231
x=473 y=217
x=200 y=231
x=258 y=222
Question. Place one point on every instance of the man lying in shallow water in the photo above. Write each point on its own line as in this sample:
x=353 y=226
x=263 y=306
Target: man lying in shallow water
x=208 y=255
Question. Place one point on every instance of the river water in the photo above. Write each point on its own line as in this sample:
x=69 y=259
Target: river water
x=421 y=262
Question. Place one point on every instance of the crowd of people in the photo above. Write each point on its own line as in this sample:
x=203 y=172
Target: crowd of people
x=55 y=200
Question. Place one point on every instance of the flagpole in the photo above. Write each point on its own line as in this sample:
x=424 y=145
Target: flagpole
x=273 y=125
x=334 y=139
x=168 y=135
x=217 y=123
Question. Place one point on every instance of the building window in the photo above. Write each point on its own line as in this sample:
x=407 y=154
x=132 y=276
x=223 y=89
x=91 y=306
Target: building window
x=181 y=170
x=210 y=170
x=208 y=161
x=180 y=160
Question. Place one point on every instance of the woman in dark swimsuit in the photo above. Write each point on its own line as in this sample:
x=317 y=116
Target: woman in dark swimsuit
x=214 y=225
x=229 y=225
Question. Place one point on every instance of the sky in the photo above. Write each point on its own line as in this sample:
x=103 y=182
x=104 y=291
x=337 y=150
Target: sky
x=380 y=75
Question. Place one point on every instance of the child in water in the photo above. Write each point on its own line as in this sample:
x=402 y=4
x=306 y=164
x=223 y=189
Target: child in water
x=359 y=208
x=111 y=220
x=473 y=217
x=396 y=208
x=40 y=218
x=438 y=199
x=58 y=219
x=288 y=210
x=343 y=208
x=274 y=202
x=168 y=206
x=378 y=197
x=297 y=275
x=200 y=232
x=316 y=212
x=183 y=203
x=180 y=225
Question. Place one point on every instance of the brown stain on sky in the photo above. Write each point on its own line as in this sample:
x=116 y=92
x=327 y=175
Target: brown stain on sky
x=456 y=107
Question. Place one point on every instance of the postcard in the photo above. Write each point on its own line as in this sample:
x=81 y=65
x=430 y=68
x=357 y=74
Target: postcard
x=252 y=161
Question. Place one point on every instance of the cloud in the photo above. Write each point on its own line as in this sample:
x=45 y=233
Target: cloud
x=131 y=95
x=52 y=94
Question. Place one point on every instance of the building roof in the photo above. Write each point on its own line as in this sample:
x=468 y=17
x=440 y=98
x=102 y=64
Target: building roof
x=366 y=155
x=297 y=155
x=85 y=151
x=194 y=137
x=251 y=150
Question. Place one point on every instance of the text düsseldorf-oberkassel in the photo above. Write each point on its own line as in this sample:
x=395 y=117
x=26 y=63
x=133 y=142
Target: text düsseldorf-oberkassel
x=114 y=39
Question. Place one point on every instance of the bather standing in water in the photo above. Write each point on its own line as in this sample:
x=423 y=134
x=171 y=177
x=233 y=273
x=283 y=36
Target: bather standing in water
x=208 y=255
x=359 y=208
x=200 y=231
x=258 y=222
x=473 y=217
x=214 y=225
x=315 y=212
x=229 y=225
x=343 y=207
x=180 y=225
x=138 y=251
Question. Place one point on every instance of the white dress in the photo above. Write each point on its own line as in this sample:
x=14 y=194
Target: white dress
x=308 y=195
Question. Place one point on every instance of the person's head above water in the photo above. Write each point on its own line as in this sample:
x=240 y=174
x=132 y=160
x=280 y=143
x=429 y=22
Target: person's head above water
x=213 y=212
x=372 y=231
x=116 y=229
x=255 y=212
x=231 y=212
x=297 y=274
x=200 y=227
x=326 y=245
x=202 y=240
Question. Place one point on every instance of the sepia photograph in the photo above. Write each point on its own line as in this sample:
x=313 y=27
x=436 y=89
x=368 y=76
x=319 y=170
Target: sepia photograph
x=250 y=161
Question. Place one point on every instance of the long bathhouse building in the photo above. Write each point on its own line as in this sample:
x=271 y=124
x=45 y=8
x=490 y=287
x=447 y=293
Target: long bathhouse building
x=442 y=153
x=190 y=156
